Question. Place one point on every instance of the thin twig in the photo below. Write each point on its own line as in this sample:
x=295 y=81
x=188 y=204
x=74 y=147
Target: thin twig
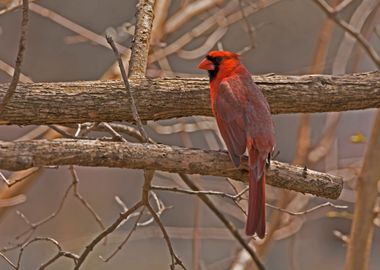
x=128 y=89
x=34 y=225
x=50 y=240
x=8 y=260
x=225 y=221
x=20 y=54
x=247 y=24
x=330 y=12
x=106 y=232
x=308 y=211
x=15 y=181
x=82 y=200
x=205 y=192
x=175 y=259
x=236 y=197
x=76 y=28
x=135 y=225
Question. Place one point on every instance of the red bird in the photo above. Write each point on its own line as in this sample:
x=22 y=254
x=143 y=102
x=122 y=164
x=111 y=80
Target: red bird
x=244 y=120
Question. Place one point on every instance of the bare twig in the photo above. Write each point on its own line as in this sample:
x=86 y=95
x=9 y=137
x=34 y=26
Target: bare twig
x=60 y=253
x=27 y=176
x=205 y=47
x=236 y=197
x=8 y=260
x=188 y=12
x=135 y=225
x=20 y=54
x=345 y=50
x=222 y=218
x=209 y=24
x=205 y=192
x=15 y=181
x=85 y=203
x=331 y=13
x=247 y=24
x=33 y=226
x=175 y=259
x=308 y=211
x=106 y=232
x=76 y=28
x=136 y=116
x=366 y=195
x=230 y=227
x=161 y=9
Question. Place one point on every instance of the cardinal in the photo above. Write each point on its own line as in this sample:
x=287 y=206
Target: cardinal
x=245 y=123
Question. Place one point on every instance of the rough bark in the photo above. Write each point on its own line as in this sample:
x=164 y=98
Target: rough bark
x=37 y=153
x=359 y=248
x=96 y=101
x=140 y=43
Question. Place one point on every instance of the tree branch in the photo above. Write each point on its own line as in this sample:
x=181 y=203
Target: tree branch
x=359 y=249
x=92 y=101
x=331 y=13
x=35 y=153
x=20 y=54
x=141 y=40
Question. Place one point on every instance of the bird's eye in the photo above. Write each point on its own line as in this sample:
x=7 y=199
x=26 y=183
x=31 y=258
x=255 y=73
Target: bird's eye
x=218 y=60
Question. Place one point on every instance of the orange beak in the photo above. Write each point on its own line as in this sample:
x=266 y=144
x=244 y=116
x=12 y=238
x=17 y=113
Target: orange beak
x=206 y=65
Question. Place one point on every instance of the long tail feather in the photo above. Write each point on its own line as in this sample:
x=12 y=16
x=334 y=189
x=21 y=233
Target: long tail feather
x=256 y=200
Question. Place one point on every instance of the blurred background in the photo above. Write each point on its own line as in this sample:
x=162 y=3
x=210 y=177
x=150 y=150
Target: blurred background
x=282 y=37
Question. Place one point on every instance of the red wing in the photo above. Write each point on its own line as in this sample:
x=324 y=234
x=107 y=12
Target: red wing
x=230 y=116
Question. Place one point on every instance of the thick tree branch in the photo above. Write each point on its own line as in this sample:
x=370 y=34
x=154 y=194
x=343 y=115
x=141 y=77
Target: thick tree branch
x=36 y=153
x=106 y=101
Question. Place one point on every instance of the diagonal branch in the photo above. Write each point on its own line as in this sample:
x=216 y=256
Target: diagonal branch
x=123 y=216
x=74 y=27
x=91 y=101
x=20 y=54
x=131 y=99
x=332 y=14
x=225 y=221
x=26 y=154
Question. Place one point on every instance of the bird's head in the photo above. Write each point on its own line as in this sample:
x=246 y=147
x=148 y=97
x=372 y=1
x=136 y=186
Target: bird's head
x=217 y=62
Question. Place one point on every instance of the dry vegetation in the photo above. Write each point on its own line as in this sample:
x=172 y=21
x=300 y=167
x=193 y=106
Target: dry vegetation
x=68 y=135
